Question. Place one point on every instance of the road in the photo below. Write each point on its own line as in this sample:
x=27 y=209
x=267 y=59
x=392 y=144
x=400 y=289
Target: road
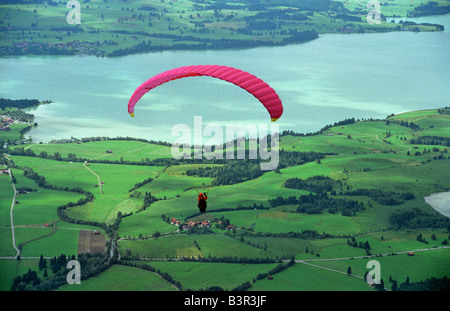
x=11 y=214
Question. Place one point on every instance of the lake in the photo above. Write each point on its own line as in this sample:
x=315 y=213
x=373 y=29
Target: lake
x=327 y=80
x=440 y=202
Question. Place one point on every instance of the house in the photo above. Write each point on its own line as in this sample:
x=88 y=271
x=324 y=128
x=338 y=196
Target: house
x=3 y=171
x=109 y=151
x=175 y=222
x=97 y=232
x=45 y=225
x=230 y=227
x=205 y=223
x=411 y=254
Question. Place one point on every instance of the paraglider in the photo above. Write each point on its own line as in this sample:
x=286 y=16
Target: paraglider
x=202 y=197
x=252 y=84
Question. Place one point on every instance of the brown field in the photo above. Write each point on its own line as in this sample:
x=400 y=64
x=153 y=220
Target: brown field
x=88 y=242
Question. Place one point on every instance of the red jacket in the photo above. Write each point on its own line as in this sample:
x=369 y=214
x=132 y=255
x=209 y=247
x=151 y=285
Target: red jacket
x=202 y=198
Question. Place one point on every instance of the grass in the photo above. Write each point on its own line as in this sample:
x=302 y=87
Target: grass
x=361 y=162
x=301 y=277
x=184 y=246
x=127 y=150
x=196 y=276
x=122 y=278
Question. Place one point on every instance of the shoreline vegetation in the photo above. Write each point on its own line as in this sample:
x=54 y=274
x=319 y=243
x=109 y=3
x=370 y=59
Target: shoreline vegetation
x=117 y=28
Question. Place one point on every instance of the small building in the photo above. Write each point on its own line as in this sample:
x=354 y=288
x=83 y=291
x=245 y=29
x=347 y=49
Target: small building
x=411 y=254
x=97 y=232
x=175 y=222
x=109 y=151
x=46 y=225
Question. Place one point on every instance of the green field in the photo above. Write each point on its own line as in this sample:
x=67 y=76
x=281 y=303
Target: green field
x=368 y=155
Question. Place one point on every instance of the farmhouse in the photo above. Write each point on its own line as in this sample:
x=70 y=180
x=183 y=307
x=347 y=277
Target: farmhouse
x=175 y=222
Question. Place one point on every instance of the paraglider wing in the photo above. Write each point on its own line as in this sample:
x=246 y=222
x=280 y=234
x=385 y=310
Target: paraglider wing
x=252 y=84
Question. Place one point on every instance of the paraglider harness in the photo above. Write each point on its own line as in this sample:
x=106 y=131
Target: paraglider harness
x=202 y=197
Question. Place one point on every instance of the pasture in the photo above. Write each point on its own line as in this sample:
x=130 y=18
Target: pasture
x=374 y=157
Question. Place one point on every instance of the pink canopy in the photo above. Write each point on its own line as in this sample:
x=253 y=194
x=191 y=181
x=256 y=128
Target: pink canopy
x=252 y=84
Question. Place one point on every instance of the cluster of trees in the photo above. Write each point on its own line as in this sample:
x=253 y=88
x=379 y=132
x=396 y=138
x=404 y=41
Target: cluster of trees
x=352 y=242
x=235 y=171
x=431 y=140
x=411 y=124
x=431 y=284
x=229 y=259
x=18 y=103
x=417 y=218
x=277 y=269
x=90 y=265
x=429 y=8
x=316 y=203
x=315 y=184
x=304 y=234
x=326 y=127
x=389 y=198
x=140 y=184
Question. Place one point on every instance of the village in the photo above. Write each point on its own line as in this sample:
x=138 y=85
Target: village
x=70 y=47
x=197 y=224
x=5 y=124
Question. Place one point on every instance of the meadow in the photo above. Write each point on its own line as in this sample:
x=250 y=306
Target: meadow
x=374 y=157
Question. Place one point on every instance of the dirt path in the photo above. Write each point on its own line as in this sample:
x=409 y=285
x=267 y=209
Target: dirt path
x=98 y=177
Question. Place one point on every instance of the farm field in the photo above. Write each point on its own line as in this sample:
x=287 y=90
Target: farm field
x=303 y=224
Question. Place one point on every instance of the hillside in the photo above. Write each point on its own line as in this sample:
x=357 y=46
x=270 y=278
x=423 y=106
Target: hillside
x=360 y=196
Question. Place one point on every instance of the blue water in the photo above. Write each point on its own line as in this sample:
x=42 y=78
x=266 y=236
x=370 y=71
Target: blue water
x=320 y=82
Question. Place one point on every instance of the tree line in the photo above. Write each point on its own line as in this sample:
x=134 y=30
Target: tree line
x=388 y=198
x=18 y=103
x=316 y=203
x=315 y=184
x=236 y=171
x=326 y=127
x=430 y=140
x=417 y=218
x=90 y=265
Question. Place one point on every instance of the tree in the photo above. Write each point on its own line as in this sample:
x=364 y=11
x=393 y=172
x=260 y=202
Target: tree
x=349 y=270
x=394 y=285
